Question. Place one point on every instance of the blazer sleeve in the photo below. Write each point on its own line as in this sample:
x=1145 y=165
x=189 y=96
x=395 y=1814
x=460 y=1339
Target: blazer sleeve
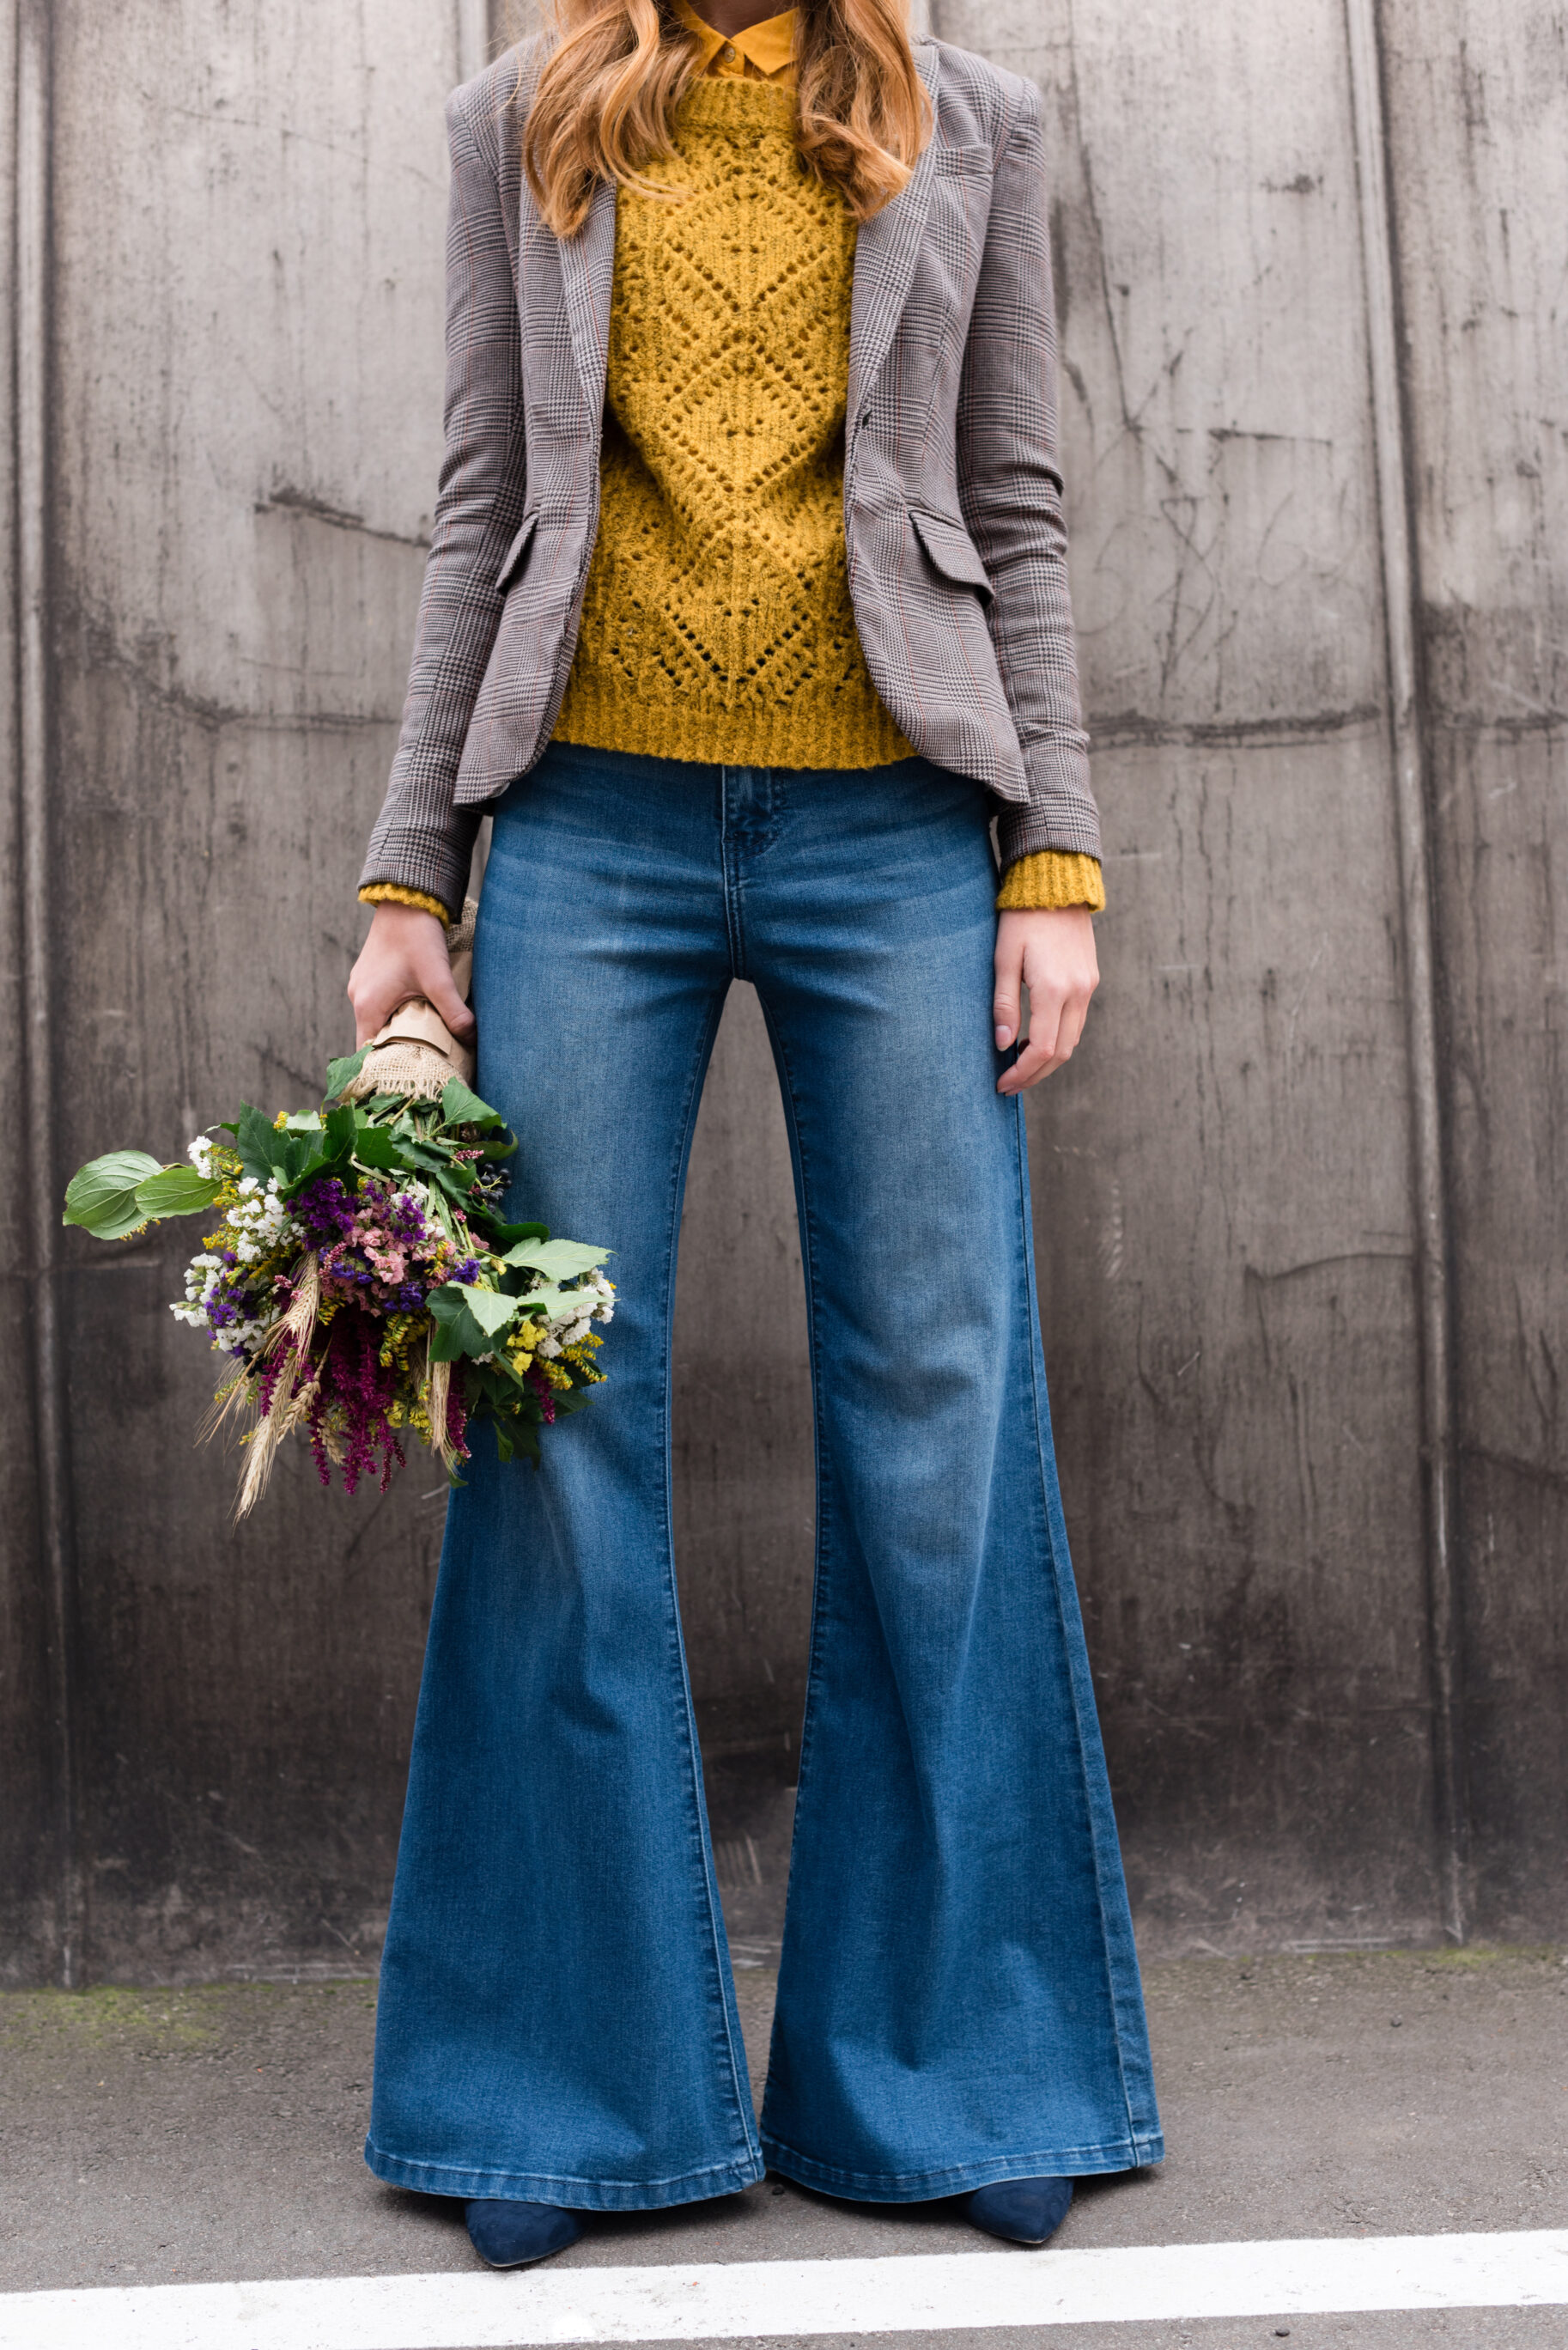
x=423 y=841
x=1010 y=489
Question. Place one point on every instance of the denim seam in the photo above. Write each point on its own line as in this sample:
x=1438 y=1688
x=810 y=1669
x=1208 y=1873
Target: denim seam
x=741 y=2117
x=746 y=2173
x=1135 y=2136
x=817 y=1640
x=952 y=2178
x=730 y=866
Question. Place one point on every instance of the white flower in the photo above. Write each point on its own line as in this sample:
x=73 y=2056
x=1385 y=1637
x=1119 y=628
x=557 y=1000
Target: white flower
x=598 y=1297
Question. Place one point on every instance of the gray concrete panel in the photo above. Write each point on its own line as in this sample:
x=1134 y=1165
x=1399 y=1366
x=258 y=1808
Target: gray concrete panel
x=1480 y=118
x=1222 y=1226
x=745 y=1487
x=30 y=1819
x=248 y=216
x=1214 y=419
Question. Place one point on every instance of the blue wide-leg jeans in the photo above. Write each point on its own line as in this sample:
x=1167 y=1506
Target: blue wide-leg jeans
x=959 y=1997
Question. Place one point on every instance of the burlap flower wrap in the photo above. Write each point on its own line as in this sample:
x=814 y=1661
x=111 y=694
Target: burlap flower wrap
x=416 y=1052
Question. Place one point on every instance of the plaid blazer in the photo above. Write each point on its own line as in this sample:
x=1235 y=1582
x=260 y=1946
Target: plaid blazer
x=952 y=499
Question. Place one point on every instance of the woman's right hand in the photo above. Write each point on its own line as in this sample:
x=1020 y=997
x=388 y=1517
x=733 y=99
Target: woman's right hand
x=404 y=955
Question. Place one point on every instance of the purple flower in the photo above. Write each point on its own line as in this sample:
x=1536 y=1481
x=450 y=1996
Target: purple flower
x=325 y=1209
x=355 y=1393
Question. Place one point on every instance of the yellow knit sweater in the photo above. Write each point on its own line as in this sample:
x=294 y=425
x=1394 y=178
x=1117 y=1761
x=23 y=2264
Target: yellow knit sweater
x=717 y=622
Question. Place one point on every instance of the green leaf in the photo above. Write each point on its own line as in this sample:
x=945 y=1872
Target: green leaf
x=491 y=1308
x=549 y=1299
x=298 y=1158
x=516 y=1434
x=432 y=1162
x=344 y=1072
x=340 y=1130
x=505 y=1234
x=176 y=1190
x=460 y=1107
x=468 y=1321
x=571 y=1399
x=557 y=1260
x=303 y=1122
x=262 y=1150
x=101 y=1196
x=375 y=1148
x=445 y=1341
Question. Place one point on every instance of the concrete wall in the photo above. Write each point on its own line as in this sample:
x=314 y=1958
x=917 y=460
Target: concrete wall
x=1479 y=146
x=1297 y=1201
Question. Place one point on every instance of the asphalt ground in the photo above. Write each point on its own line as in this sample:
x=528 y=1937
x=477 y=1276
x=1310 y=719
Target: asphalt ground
x=213 y=2132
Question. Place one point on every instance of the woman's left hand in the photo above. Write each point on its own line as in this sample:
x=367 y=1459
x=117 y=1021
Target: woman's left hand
x=1051 y=953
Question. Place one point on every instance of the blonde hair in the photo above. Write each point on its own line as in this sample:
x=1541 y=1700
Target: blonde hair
x=606 y=102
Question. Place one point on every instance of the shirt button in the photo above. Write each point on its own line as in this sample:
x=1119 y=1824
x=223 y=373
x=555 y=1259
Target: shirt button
x=728 y=53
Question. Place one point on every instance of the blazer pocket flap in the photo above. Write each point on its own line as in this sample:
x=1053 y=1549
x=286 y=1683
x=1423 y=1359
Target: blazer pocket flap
x=963 y=162
x=952 y=552
x=515 y=554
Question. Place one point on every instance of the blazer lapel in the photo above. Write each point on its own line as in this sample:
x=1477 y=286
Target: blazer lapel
x=886 y=251
x=587 y=278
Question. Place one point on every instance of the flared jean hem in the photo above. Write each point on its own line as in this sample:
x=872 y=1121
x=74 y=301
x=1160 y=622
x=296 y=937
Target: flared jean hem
x=565 y=2194
x=964 y=2178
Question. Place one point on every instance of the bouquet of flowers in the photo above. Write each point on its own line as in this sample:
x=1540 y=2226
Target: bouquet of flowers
x=360 y=1280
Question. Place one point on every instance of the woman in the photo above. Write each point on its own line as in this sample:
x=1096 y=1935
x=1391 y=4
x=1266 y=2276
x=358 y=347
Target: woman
x=745 y=612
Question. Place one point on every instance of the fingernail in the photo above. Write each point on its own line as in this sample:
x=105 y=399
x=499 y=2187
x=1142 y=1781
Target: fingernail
x=1004 y=1038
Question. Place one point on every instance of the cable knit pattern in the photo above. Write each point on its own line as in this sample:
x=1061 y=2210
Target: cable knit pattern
x=718 y=624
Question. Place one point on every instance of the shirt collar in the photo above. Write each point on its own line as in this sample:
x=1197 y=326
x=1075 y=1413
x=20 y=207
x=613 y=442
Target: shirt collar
x=769 y=46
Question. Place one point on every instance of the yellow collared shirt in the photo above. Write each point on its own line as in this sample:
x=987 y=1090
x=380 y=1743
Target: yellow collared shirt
x=764 y=52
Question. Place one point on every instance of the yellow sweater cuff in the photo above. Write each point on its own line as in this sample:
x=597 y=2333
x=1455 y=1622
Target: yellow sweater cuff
x=392 y=893
x=1049 y=880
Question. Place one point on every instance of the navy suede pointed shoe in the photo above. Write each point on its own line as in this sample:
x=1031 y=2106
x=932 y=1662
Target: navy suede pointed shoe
x=1024 y=2211
x=510 y=2235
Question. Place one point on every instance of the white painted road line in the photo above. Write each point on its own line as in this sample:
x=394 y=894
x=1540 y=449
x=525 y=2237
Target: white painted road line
x=918 y=2294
